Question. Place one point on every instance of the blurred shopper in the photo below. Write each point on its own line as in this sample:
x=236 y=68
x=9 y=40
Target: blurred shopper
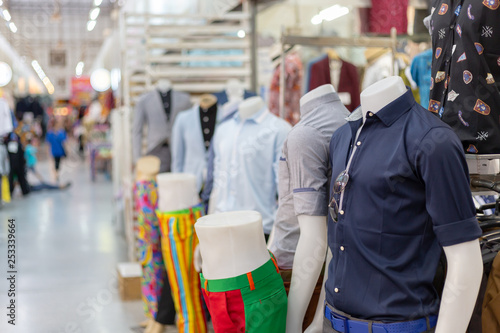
x=56 y=136
x=30 y=155
x=17 y=163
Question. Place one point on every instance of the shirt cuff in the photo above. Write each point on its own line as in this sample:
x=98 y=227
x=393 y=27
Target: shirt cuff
x=308 y=201
x=458 y=232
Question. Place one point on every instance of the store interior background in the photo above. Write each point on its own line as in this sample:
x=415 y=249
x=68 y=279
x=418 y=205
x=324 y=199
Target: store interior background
x=70 y=53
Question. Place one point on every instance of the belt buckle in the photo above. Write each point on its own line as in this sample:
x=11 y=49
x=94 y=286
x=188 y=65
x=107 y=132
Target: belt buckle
x=343 y=319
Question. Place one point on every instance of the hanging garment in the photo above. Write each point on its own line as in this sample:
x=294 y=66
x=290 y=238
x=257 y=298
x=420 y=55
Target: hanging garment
x=191 y=139
x=4 y=160
x=379 y=69
x=5 y=190
x=421 y=72
x=386 y=14
x=319 y=73
x=149 y=245
x=179 y=240
x=159 y=118
x=293 y=89
x=466 y=71
x=255 y=302
x=491 y=305
x=6 y=125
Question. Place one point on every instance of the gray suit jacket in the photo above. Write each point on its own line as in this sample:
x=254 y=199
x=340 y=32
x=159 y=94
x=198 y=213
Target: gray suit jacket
x=149 y=110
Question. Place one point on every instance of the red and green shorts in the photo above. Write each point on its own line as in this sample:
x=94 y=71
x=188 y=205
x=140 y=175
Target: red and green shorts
x=252 y=302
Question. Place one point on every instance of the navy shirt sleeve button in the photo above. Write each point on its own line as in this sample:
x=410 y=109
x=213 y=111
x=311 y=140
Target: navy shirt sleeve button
x=336 y=290
x=342 y=248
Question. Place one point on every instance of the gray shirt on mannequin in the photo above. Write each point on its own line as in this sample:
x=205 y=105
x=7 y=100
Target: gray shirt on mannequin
x=304 y=172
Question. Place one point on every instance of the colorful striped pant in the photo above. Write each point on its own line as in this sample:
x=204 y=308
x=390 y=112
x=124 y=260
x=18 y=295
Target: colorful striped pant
x=149 y=246
x=178 y=239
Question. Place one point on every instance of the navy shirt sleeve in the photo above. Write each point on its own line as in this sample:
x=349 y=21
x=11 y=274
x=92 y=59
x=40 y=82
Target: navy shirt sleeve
x=448 y=196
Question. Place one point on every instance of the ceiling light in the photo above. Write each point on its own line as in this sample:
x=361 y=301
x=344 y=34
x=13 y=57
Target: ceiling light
x=100 y=80
x=1 y=2
x=97 y=2
x=5 y=74
x=79 y=68
x=6 y=15
x=94 y=13
x=242 y=34
x=91 y=25
x=330 y=14
x=12 y=27
x=316 y=20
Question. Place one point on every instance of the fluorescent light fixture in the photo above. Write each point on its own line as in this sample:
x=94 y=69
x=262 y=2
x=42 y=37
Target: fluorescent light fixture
x=242 y=33
x=6 y=15
x=91 y=25
x=316 y=20
x=1 y=2
x=41 y=74
x=12 y=27
x=79 y=68
x=97 y=2
x=330 y=14
x=94 y=13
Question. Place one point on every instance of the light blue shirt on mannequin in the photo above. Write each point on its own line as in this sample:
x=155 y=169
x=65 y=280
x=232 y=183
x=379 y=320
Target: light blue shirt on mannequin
x=189 y=154
x=247 y=153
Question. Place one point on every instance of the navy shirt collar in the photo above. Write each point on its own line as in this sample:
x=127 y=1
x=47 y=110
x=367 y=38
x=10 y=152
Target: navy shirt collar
x=394 y=110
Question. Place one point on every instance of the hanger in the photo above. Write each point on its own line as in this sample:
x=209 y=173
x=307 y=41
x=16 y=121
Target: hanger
x=207 y=101
x=332 y=54
x=373 y=53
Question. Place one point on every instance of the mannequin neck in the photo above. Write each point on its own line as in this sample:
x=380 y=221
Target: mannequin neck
x=235 y=90
x=381 y=93
x=316 y=93
x=164 y=85
x=207 y=101
x=250 y=107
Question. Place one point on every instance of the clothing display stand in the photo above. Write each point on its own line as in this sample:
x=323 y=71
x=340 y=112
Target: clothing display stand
x=287 y=41
x=153 y=46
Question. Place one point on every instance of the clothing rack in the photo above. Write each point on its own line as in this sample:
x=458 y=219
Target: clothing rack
x=287 y=41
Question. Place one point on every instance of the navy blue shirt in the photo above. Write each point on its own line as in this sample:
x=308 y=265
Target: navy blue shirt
x=407 y=196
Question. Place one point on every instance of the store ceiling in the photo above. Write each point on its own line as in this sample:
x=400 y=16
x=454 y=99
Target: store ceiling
x=54 y=32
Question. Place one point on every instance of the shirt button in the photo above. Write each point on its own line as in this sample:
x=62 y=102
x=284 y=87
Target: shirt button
x=370 y=114
x=206 y=131
x=452 y=26
x=205 y=119
x=359 y=143
x=341 y=212
x=207 y=143
x=336 y=290
x=342 y=248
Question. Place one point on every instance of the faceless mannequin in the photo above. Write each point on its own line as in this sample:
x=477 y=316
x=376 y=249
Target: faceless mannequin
x=147 y=168
x=311 y=249
x=235 y=90
x=164 y=85
x=207 y=100
x=243 y=249
x=176 y=191
x=250 y=106
x=464 y=260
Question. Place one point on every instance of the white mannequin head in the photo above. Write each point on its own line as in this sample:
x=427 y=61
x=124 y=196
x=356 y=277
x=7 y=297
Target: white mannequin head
x=235 y=90
x=381 y=93
x=250 y=106
x=164 y=85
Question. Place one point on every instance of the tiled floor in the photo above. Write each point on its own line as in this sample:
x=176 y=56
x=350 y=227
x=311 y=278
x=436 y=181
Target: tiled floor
x=67 y=251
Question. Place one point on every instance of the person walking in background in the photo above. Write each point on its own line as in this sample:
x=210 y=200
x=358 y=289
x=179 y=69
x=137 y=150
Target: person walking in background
x=56 y=136
x=30 y=155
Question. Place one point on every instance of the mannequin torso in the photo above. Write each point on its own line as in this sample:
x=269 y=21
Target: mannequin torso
x=176 y=191
x=407 y=120
x=243 y=249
